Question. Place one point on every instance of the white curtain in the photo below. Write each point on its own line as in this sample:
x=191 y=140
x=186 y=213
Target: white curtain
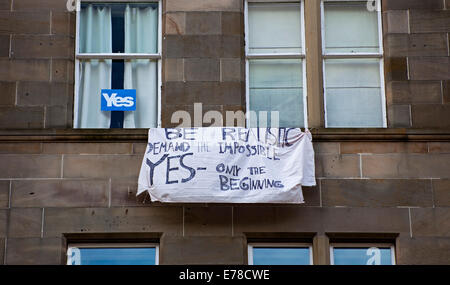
x=141 y=36
x=94 y=74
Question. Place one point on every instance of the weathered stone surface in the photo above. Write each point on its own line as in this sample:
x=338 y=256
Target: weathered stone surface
x=429 y=21
x=202 y=250
x=339 y=166
x=3 y=222
x=429 y=68
x=395 y=21
x=398 y=45
x=4 y=193
x=203 y=23
x=4 y=45
x=406 y=166
x=431 y=116
x=95 y=220
x=231 y=69
x=202 y=69
x=441 y=191
x=32 y=251
x=430 y=222
x=383 y=147
x=412 y=4
x=24 y=70
x=30 y=166
x=326 y=148
x=399 y=116
x=294 y=219
x=2 y=250
x=35 y=22
x=31 y=5
x=123 y=194
x=174 y=69
x=232 y=23
x=86 y=148
x=396 y=68
x=18 y=148
x=60 y=193
x=208 y=221
x=42 y=93
x=414 y=92
x=8 y=94
x=101 y=166
x=42 y=46
x=376 y=193
x=439 y=147
x=25 y=222
x=175 y=23
x=201 y=5
x=204 y=46
x=422 y=250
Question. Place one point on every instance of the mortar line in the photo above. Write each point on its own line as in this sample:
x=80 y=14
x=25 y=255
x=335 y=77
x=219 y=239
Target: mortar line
x=360 y=166
x=320 y=192
x=4 y=255
x=10 y=46
x=12 y=1
x=51 y=14
x=432 y=193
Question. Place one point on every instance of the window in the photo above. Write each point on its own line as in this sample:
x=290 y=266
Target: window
x=118 y=47
x=275 y=64
x=353 y=65
x=113 y=254
x=362 y=254
x=280 y=254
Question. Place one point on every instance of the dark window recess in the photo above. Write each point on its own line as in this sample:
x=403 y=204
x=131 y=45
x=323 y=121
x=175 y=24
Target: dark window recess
x=117 y=76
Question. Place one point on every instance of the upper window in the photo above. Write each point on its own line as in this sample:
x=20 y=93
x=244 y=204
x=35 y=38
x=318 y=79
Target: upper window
x=113 y=254
x=275 y=60
x=280 y=254
x=118 y=47
x=353 y=65
x=362 y=254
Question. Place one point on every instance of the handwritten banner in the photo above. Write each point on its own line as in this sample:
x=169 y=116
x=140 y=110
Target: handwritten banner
x=227 y=165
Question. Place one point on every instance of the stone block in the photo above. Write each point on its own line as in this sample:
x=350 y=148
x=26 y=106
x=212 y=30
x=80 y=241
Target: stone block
x=25 y=222
x=60 y=193
x=30 y=166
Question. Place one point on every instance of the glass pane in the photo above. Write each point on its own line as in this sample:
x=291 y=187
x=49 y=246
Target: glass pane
x=274 y=28
x=353 y=93
x=118 y=28
x=95 y=75
x=281 y=256
x=277 y=85
x=117 y=256
x=362 y=256
x=350 y=28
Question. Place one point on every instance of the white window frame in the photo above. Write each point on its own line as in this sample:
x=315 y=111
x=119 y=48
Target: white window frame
x=279 y=245
x=84 y=56
x=379 y=55
x=362 y=245
x=115 y=245
x=301 y=55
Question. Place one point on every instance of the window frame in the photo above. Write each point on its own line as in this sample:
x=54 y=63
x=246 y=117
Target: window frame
x=362 y=245
x=379 y=55
x=250 y=247
x=114 y=245
x=124 y=56
x=301 y=55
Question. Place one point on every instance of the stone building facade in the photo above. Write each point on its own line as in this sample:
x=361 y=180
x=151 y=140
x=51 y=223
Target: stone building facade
x=60 y=185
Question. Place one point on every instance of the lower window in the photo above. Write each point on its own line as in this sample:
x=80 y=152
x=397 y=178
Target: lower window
x=362 y=254
x=113 y=254
x=280 y=254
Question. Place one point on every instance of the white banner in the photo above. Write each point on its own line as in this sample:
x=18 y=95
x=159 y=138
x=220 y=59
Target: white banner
x=227 y=165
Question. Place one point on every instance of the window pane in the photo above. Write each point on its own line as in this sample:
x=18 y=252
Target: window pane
x=95 y=75
x=362 y=256
x=274 y=28
x=277 y=85
x=353 y=93
x=281 y=256
x=133 y=28
x=350 y=28
x=117 y=256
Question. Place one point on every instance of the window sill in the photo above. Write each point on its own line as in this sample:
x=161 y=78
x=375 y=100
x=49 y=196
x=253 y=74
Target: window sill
x=140 y=135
